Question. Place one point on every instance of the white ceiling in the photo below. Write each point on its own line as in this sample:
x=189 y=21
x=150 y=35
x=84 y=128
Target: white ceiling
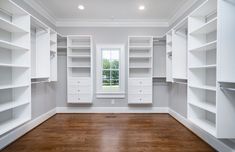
x=97 y=10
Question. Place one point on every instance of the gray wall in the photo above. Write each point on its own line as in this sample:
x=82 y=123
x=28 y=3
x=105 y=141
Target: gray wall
x=110 y=35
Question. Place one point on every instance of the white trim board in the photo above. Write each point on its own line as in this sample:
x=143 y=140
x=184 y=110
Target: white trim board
x=215 y=143
x=112 y=109
x=20 y=131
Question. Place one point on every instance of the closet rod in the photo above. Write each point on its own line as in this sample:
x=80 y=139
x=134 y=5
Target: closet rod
x=184 y=83
x=227 y=89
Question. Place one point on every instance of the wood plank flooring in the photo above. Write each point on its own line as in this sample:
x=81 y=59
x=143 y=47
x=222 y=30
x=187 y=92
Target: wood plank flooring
x=110 y=133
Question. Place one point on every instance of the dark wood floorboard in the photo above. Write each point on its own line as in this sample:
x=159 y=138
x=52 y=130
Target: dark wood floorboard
x=110 y=133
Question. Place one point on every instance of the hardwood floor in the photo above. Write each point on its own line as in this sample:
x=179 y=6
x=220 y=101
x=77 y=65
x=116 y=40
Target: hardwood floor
x=110 y=133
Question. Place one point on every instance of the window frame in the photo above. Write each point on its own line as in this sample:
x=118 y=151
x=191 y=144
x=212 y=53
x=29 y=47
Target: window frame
x=112 y=93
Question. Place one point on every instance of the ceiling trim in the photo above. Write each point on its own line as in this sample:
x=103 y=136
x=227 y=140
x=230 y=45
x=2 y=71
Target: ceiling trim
x=111 y=23
x=41 y=11
x=179 y=13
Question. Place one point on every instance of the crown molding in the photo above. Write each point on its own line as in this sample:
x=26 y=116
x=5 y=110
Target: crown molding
x=45 y=13
x=181 y=11
x=111 y=23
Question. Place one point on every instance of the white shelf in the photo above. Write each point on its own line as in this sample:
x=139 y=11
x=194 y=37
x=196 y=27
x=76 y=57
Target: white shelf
x=205 y=47
x=204 y=105
x=61 y=47
x=203 y=67
x=140 y=67
x=140 y=47
x=79 y=56
x=14 y=65
x=9 y=45
x=2 y=87
x=80 y=47
x=11 y=27
x=204 y=87
x=52 y=51
x=52 y=42
x=79 y=66
x=11 y=124
x=206 y=28
x=205 y=125
x=12 y=104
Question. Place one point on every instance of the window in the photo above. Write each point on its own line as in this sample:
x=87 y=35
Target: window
x=110 y=71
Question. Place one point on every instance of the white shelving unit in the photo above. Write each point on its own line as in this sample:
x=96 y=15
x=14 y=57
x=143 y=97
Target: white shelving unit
x=169 y=77
x=15 y=87
x=40 y=51
x=140 y=69
x=159 y=57
x=210 y=107
x=179 y=51
x=53 y=55
x=80 y=69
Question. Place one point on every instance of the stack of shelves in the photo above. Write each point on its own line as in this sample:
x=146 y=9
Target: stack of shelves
x=80 y=71
x=53 y=55
x=202 y=65
x=169 y=56
x=40 y=51
x=15 y=87
x=140 y=69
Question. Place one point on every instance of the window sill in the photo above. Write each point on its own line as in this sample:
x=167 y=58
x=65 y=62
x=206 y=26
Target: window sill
x=110 y=95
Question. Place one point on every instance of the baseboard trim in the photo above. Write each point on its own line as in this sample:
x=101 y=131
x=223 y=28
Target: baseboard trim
x=215 y=143
x=20 y=131
x=112 y=110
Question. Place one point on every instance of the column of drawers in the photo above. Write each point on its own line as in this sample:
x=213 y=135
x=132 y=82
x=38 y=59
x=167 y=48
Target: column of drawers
x=140 y=91
x=79 y=90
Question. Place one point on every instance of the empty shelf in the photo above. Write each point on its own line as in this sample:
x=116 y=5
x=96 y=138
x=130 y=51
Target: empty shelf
x=203 y=67
x=13 y=65
x=79 y=66
x=11 y=105
x=205 y=87
x=204 y=105
x=206 y=47
x=8 y=45
x=11 y=124
x=80 y=47
x=205 y=125
x=13 y=86
x=140 y=47
x=11 y=27
x=79 y=56
x=206 y=28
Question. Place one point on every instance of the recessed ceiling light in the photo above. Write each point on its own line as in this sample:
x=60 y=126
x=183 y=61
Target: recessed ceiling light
x=141 y=7
x=81 y=7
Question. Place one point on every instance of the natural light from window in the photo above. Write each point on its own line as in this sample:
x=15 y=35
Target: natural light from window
x=110 y=69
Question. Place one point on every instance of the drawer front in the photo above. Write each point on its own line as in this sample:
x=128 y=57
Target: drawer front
x=140 y=90
x=138 y=99
x=72 y=89
x=140 y=82
x=79 y=98
x=79 y=81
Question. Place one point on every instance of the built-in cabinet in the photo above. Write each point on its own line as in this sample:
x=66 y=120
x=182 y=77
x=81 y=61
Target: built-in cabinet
x=79 y=69
x=15 y=84
x=53 y=55
x=211 y=105
x=140 y=69
x=169 y=77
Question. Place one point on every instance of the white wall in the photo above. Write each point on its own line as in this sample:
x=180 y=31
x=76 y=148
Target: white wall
x=110 y=35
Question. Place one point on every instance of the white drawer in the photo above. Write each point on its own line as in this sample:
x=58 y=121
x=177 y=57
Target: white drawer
x=140 y=90
x=139 y=99
x=79 y=98
x=140 y=82
x=72 y=89
x=79 y=81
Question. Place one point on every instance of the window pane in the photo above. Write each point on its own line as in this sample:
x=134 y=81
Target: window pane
x=115 y=55
x=114 y=64
x=106 y=74
x=106 y=82
x=106 y=64
x=115 y=75
x=115 y=83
